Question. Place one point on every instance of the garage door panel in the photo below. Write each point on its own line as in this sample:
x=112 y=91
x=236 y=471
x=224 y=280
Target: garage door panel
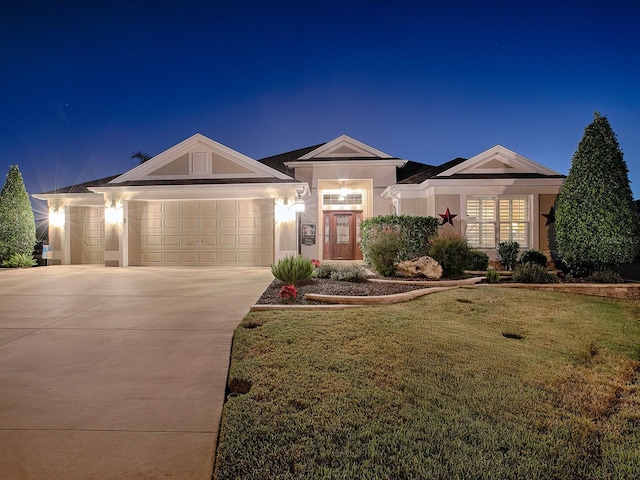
x=190 y=223
x=223 y=232
x=208 y=223
x=226 y=222
x=209 y=240
x=191 y=258
x=172 y=223
x=87 y=235
x=171 y=240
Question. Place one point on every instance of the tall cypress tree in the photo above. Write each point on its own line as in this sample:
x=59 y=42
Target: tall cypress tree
x=596 y=219
x=17 y=223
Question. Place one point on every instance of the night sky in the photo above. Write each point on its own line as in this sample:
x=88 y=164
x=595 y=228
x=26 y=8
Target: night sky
x=86 y=84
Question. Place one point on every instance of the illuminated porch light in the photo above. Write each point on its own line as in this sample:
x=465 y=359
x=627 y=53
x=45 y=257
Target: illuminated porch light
x=56 y=217
x=284 y=213
x=298 y=205
x=113 y=214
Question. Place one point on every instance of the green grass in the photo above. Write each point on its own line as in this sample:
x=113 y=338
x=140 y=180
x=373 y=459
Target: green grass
x=434 y=389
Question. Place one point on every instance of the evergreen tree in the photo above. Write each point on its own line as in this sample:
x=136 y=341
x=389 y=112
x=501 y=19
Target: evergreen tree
x=17 y=224
x=596 y=219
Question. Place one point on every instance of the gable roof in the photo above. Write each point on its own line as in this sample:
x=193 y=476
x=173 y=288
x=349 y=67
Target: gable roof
x=277 y=162
x=199 y=158
x=344 y=147
x=431 y=171
x=494 y=163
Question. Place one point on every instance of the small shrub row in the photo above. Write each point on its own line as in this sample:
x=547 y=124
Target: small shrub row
x=345 y=272
x=605 y=276
x=533 y=273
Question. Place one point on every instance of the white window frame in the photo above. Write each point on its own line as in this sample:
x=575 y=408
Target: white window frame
x=498 y=218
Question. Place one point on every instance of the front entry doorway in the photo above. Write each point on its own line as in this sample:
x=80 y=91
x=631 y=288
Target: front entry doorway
x=341 y=235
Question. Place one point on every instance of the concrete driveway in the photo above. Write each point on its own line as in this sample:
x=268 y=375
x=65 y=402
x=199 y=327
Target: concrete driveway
x=116 y=373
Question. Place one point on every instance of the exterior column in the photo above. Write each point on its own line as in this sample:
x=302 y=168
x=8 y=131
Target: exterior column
x=115 y=234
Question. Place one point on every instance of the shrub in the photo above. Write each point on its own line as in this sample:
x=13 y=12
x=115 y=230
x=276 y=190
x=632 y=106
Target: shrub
x=534 y=256
x=415 y=233
x=383 y=251
x=596 y=220
x=493 y=276
x=508 y=254
x=20 y=260
x=17 y=224
x=293 y=270
x=452 y=252
x=533 y=273
x=346 y=272
x=605 y=276
x=477 y=260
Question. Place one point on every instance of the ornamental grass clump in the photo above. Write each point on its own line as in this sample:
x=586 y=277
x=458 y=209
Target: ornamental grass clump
x=20 y=260
x=383 y=251
x=452 y=253
x=293 y=270
x=493 y=276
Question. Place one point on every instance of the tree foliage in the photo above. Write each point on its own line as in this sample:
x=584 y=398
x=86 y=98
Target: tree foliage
x=141 y=156
x=415 y=234
x=596 y=219
x=17 y=223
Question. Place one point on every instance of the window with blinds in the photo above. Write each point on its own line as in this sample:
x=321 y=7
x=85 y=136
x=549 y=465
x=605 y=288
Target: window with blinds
x=497 y=219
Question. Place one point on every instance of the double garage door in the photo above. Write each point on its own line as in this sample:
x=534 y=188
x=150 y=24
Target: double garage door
x=212 y=232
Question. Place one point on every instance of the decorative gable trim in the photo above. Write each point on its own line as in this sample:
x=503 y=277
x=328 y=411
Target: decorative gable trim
x=344 y=147
x=498 y=160
x=200 y=156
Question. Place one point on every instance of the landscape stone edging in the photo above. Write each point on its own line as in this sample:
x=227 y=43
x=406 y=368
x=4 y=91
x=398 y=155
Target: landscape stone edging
x=349 y=301
x=607 y=290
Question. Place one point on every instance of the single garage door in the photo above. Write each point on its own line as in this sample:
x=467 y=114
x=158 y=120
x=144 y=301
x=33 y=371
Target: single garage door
x=212 y=232
x=87 y=235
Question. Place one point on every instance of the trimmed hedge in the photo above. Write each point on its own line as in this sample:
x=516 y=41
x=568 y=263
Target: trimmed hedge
x=415 y=234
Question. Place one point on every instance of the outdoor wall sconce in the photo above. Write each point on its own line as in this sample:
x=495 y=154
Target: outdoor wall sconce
x=298 y=205
x=56 y=217
x=113 y=214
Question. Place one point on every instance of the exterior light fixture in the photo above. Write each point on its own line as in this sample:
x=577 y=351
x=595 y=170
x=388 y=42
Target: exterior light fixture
x=113 y=214
x=56 y=217
x=298 y=205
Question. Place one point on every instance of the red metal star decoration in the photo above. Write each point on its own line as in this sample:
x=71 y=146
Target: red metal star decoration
x=551 y=216
x=447 y=217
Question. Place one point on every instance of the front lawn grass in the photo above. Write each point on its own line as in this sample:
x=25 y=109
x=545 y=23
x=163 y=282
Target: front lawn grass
x=468 y=383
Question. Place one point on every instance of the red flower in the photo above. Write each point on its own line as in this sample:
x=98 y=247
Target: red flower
x=288 y=293
x=315 y=262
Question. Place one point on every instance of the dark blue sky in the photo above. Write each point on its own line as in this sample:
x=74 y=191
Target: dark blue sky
x=84 y=84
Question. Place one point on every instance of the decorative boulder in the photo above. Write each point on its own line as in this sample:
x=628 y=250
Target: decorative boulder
x=420 y=267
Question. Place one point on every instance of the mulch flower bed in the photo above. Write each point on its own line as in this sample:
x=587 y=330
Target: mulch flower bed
x=326 y=286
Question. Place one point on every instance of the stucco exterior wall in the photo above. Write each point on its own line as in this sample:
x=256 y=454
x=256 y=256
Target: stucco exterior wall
x=546 y=237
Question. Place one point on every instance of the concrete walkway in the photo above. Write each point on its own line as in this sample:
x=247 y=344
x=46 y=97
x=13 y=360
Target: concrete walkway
x=116 y=373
